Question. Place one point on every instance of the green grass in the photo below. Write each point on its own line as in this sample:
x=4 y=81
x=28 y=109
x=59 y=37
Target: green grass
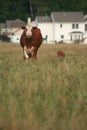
x=48 y=93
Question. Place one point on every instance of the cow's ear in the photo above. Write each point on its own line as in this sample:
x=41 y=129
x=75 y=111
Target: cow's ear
x=23 y=27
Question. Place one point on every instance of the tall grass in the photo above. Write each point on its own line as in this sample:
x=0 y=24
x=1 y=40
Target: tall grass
x=48 y=93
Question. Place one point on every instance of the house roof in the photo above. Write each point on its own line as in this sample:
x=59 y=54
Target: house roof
x=43 y=19
x=14 y=23
x=68 y=16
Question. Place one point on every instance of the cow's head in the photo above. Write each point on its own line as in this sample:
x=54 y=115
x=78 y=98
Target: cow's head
x=28 y=29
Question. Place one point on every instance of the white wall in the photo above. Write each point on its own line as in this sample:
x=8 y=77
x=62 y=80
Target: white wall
x=85 y=36
x=54 y=31
x=46 y=29
x=65 y=30
x=15 y=31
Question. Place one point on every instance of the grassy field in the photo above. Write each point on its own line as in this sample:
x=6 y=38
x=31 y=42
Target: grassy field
x=48 y=93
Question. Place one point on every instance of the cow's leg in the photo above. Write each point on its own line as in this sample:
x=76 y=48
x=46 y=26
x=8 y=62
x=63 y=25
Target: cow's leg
x=25 y=53
x=34 y=53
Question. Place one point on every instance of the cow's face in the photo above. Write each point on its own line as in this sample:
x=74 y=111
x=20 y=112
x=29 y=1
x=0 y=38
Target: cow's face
x=28 y=30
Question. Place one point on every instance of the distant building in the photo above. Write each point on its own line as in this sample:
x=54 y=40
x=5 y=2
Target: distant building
x=67 y=27
x=62 y=26
x=45 y=23
x=12 y=28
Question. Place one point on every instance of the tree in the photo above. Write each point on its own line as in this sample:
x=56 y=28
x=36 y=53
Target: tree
x=13 y=9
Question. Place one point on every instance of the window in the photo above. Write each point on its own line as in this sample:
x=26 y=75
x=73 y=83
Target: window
x=60 y=25
x=62 y=36
x=75 y=26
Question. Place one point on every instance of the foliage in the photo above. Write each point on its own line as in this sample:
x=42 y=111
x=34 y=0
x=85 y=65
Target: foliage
x=48 y=93
x=13 y=9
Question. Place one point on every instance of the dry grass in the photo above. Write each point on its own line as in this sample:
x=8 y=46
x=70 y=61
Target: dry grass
x=49 y=93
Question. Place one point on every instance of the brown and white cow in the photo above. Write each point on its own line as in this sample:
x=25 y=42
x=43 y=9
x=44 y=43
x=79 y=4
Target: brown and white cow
x=30 y=40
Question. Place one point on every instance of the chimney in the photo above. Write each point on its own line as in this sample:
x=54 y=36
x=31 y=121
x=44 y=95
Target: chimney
x=29 y=20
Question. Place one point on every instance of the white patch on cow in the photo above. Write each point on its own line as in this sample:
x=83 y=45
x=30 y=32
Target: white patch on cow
x=28 y=51
x=29 y=30
x=25 y=53
x=31 y=49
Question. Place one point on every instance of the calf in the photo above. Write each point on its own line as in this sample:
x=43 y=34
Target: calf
x=61 y=54
x=30 y=41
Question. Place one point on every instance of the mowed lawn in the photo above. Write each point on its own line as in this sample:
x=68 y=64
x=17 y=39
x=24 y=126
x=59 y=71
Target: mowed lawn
x=49 y=93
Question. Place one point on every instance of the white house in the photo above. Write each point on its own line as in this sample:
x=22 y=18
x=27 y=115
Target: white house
x=62 y=26
x=46 y=26
x=12 y=28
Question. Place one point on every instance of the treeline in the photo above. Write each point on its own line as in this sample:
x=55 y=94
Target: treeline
x=13 y=9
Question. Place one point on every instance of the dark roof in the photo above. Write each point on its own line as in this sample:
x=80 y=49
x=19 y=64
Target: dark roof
x=68 y=16
x=43 y=19
x=15 y=23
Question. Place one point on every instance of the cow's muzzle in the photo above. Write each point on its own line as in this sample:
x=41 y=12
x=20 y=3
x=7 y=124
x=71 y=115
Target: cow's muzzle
x=29 y=37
